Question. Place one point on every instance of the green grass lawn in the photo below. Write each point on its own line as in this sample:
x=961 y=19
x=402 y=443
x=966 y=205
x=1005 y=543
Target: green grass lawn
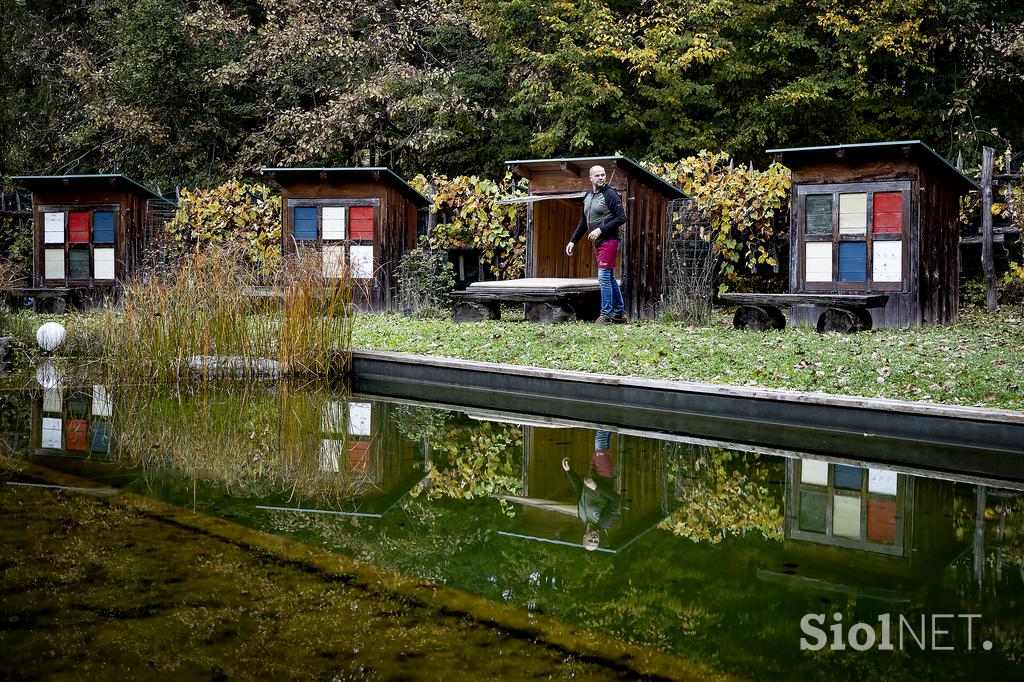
x=979 y=361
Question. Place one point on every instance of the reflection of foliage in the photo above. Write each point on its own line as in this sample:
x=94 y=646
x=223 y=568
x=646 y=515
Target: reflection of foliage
x=421 y=422
x=722 y=492
x=478 y=461
x=425 y=279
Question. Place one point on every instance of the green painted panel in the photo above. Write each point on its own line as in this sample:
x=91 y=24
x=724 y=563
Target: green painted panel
x=813 y=506
x=78 y=264
x=818 y=213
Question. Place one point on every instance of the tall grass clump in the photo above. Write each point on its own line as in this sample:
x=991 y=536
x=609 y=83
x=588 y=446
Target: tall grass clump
x=215 y=314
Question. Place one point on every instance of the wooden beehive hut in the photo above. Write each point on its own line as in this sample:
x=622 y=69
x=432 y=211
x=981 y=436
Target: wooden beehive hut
x=89 y=232
x=876 y=218
x=362 y=219
x=556 y=189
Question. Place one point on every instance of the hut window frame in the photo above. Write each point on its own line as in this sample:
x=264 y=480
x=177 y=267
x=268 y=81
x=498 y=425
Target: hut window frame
x=91 y=245
x=347 y=242
x=869 y=237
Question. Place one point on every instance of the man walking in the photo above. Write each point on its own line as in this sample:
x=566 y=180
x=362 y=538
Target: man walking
x=602 y=216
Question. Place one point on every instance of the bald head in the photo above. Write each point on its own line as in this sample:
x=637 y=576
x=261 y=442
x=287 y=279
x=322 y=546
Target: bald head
x=598 y=179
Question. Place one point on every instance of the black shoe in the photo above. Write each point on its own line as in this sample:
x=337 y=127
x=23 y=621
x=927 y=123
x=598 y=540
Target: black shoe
x=619 y=319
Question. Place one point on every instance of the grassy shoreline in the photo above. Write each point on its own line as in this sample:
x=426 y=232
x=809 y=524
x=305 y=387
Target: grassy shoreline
x=977 y=362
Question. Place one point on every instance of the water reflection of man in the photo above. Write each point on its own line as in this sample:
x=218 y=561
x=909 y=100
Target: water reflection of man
x=599 y=504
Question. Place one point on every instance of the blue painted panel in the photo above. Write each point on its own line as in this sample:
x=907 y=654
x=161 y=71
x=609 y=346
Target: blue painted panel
x=100 y=436
x=103 y=227
x=848 y=477
x=853 y=261
x=305 y=223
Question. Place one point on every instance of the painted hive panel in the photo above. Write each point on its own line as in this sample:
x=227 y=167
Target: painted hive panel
x=104 y=261
x=819 y=261
x=332 y=417
x=882 y=482
x=361 y=222
x=53 y=433
x=333 y=261
x=330 y=451
x=53 y=400
x=848 y=477
x=102 y=406
x=359 y=457
x=334 y=222
x=814 y=471
x=53 y=264
x=813 y=506
x=305 y=223
x=362 y=262
x=887 y=212
x=846 y=516
x=78 y=435
x=103 y=227
x=78 y=264
x=100 y=436
x=887 y=261
x=77 y=405
x=818 y=209
x=853 y=261
x=53 y=228
x=882 y=521
x=359 y=419
x=853 y=213
x=78 y=227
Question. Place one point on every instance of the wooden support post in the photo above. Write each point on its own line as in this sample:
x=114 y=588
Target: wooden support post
x=987 y=258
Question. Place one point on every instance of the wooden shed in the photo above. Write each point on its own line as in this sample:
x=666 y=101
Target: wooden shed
x=90 y=231
x=363 y=217
x=876 y=218
x=555 y=204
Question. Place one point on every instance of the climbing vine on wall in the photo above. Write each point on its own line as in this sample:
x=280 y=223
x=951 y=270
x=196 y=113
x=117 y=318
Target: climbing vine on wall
x=470 y=216
x=737 y=203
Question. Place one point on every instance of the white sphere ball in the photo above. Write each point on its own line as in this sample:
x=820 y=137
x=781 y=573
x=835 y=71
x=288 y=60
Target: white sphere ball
x=50 y=336
x=48 y=376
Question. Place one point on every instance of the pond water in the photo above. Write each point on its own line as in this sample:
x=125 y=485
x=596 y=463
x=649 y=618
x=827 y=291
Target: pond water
x=760 y=565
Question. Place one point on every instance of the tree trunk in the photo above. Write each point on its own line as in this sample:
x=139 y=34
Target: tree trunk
x=844 y=320
x=549 y=313
x=470 y=311
x=758 y=318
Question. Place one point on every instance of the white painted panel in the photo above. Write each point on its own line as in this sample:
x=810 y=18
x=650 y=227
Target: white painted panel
x=846 y=516
x=334 y=261
x=332 y=416
x=882 y=482
x=53 y=264
x=331 y=450
x=104 y=264
x=853 y=213
x=102 y=406
x=819 y=261
x=53 y=431
x=359 y=419
x=53 y=228
x=362 y=262
x=53 y=400
x=887 y=261
x=334 y=222
x=814 y=471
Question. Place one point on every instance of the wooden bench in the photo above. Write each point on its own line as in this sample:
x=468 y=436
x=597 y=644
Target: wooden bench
x=44 y=299
x=843 y=312
x=547 y=299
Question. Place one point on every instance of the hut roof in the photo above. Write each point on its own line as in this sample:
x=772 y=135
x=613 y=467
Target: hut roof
x=372 y=174
x=583 y=162
x=921 y=152
x=94 y=181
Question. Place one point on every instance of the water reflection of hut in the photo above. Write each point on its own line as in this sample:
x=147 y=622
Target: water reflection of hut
x=871 y=531
x=547 y=507
x=359 y=445
x=363 y=219
x=72 y=422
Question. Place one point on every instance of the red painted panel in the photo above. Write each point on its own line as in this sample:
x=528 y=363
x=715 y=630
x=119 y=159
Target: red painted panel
x=360 y=222
x=882 y=521
x=359 y=457
x=78 y=432
x=888 y=212
x=78 y=228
